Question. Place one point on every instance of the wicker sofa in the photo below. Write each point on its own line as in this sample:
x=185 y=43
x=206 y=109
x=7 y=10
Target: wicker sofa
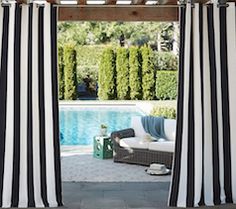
x=129 y=146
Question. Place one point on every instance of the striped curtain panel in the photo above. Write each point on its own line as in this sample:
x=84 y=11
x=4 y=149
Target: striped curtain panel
x=29 y=147
x=204 y=170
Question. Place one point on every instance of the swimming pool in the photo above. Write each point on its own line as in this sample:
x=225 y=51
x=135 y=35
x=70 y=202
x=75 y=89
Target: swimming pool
x=78 y=125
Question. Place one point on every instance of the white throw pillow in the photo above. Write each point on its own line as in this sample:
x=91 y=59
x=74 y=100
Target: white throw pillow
x=170 y=129
x=136 y=124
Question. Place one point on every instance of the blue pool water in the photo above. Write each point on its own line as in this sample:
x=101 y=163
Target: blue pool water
x=78 y=125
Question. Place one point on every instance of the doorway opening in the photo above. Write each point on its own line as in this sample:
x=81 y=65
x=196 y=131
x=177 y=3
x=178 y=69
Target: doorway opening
x=89 y=51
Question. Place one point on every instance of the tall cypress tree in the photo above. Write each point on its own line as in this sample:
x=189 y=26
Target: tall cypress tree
x=107 y=76
x=61 y=79
x=122 y=70
x=135 y=73
x=148 y=75
x=70 y=72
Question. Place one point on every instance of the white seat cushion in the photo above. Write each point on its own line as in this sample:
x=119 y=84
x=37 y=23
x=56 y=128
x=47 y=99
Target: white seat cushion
x=134 y=142
x=137 y=125
x=170 y=129
x=167 y=146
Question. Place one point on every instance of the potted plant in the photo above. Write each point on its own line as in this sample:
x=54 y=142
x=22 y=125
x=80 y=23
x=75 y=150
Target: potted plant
x=103 y=130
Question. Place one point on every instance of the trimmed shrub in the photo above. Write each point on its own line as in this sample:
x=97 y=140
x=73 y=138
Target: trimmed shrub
x=148 y=75
x=165 y=61
x=122 y=73
x=89 y=55
x=164 y=111
x=61 y=79
x=166 y=85
x=70 y=72
x=135 y=73
x=107 y=75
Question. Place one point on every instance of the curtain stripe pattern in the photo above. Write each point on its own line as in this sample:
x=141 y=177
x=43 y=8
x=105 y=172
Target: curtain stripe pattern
x=30 y=173
x=204 y=171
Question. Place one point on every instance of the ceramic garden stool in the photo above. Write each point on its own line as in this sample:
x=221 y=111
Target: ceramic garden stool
x=102 y=147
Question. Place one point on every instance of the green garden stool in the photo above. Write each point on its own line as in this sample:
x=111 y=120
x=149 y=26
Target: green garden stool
x=102 y=147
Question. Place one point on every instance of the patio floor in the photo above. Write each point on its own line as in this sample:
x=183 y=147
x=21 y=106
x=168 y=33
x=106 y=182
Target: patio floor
x=90 y=183
x=130 y=195
x=86 y=168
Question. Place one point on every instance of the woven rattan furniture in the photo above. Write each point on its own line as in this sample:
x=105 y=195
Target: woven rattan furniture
x=135 y=155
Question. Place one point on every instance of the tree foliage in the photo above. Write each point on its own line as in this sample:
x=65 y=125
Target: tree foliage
x=136 y=33
x=135 y=74
x=148 y=75
x=122 y=76
x=107 y=76
x=70 y=72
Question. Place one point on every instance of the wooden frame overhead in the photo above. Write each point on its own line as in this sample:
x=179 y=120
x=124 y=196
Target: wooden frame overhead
x=124 y=13
x=117 y=10
x=81 y=2
x=111 y=2
x=140 y=2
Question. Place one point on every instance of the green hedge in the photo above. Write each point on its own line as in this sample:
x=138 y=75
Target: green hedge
x=165 y=61
x=107 y=76
x=89 y=55
x=164 y=111
x=70 y=72
x=122 y=73
x=148 y=76
x=166 y=85
x=61 y=79
x=135 y=73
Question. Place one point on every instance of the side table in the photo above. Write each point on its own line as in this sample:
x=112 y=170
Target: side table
x=102 y=147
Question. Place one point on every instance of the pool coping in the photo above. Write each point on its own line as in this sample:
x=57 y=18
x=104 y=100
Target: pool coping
x=144 y=105
x=68 y=150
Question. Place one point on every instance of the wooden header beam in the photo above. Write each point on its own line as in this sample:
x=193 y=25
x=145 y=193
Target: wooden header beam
x=54 y=1
x=111 y=2
x=124 y=13
x=81 y=2
x=140 y=2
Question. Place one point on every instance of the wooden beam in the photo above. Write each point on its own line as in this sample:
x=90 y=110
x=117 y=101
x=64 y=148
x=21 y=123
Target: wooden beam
x=139 y=2
x=81 y=2
x=167 y=2
x=111 y=2
x=124 y=13
x=22 y=1
x=201 y=1
x=54 y=1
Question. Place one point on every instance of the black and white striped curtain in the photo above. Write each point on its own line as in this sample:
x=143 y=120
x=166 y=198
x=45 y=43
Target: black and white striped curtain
x=29 y=146
x=204 y=170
